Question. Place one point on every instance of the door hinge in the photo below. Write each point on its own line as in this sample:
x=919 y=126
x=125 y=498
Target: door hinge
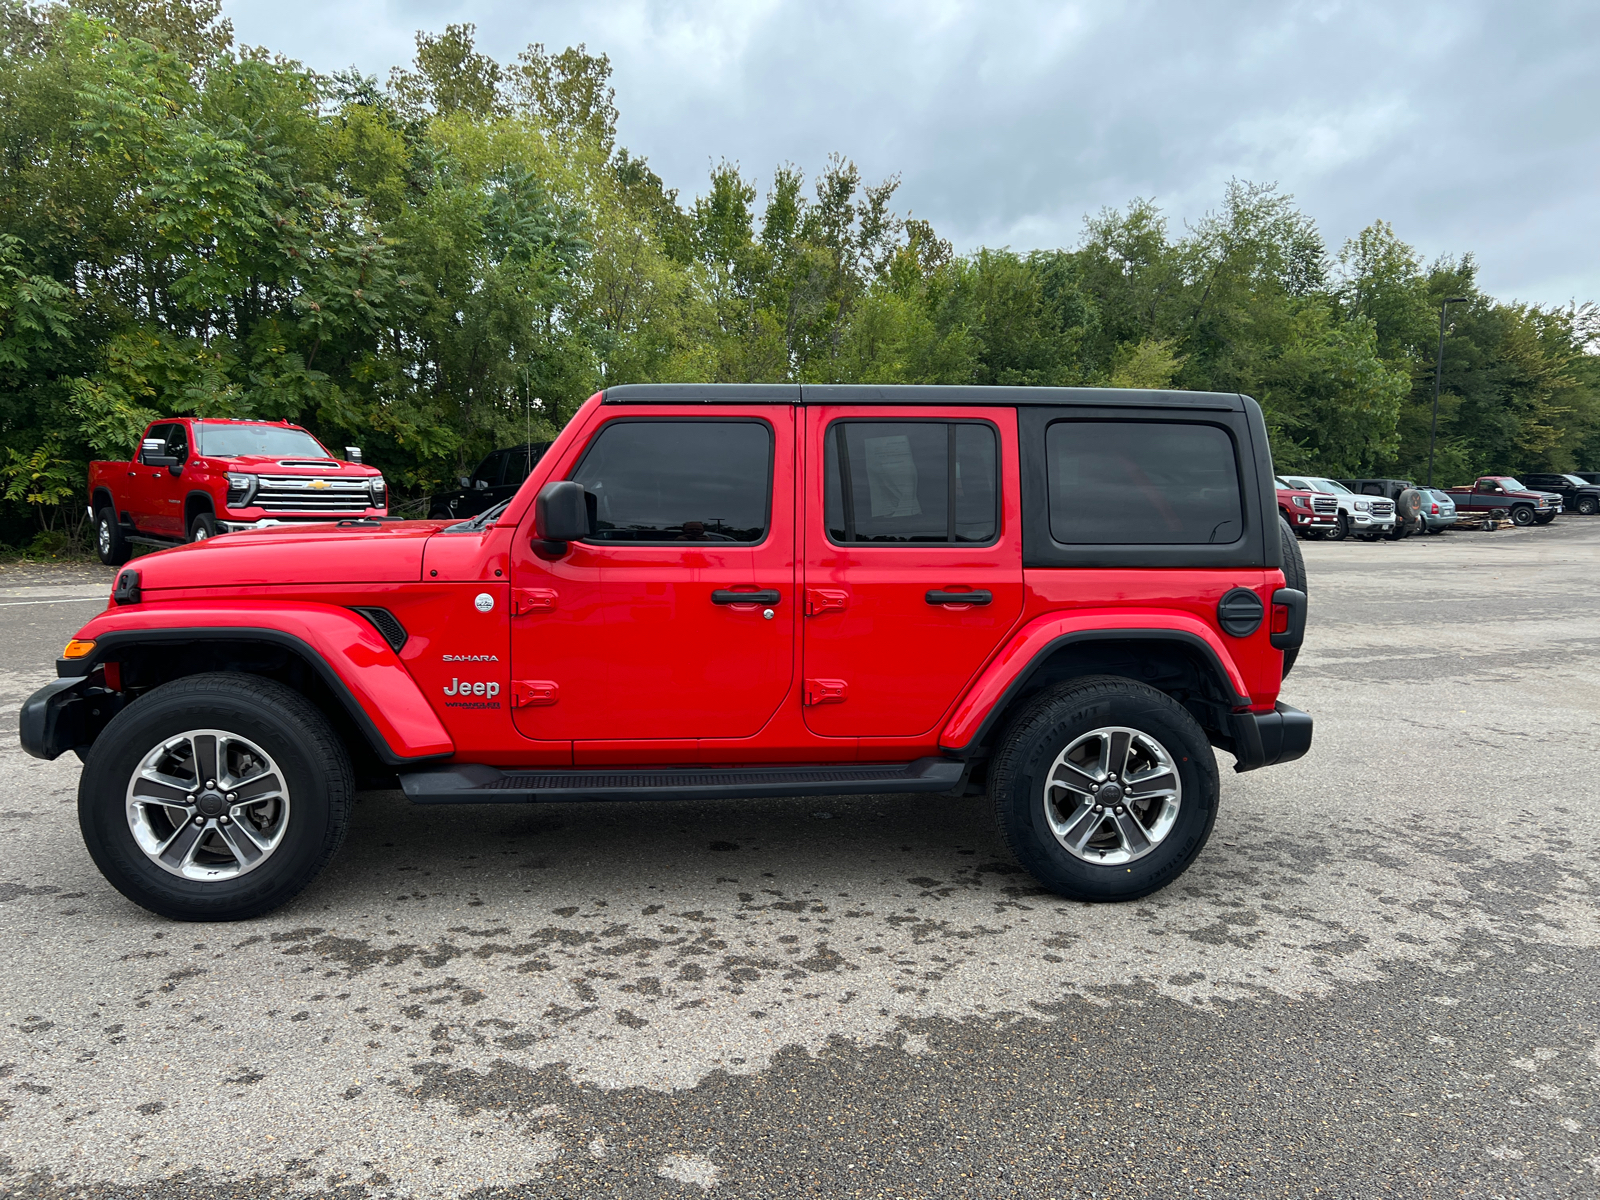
x=821 y=600
x=528 y=600
x=533 y=693
x=825 y=691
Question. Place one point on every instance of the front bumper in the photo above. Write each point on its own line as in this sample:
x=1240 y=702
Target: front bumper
x=1267 y=739
x=66 y=714
x=1301 y=519
x=1366 y=520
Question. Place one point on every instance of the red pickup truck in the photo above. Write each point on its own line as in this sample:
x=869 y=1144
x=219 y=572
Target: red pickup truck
x=1526 y=507
x=197 y=478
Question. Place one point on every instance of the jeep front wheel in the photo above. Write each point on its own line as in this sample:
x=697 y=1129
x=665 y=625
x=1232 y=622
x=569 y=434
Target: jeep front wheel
x=215 y=797
x=1105 y=789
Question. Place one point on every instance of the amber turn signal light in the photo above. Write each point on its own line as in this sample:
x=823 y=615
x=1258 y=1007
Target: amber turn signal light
x=77 y=649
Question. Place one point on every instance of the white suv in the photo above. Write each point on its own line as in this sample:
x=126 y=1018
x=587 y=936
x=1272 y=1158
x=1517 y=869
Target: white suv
x=1368 y=516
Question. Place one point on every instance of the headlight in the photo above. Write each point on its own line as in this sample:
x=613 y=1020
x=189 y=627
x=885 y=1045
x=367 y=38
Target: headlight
x=1301 y=502
x=380 y=492
x=240 y=489
x=1362 y=506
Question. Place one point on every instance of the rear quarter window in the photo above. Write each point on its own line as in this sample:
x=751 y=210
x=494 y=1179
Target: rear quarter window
x=1142 y=483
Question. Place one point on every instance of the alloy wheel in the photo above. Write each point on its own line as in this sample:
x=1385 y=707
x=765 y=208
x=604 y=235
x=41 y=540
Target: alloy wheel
x=208 y=805
x=1112 y=795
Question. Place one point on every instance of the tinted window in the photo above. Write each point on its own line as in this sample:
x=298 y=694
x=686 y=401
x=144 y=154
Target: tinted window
x=680 y=481
x=271 y=441
x=1142 y=482
x=911 y=481
x=489 y=469
x=520 y=460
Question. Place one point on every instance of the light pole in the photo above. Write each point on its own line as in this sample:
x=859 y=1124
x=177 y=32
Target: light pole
x=1438 y=370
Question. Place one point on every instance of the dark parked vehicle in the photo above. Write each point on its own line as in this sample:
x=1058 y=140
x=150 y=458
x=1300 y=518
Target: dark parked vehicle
x=1587 y=476
x=1409 y=503
x=1577 y=494
x=496 y=478
x=1492 y=493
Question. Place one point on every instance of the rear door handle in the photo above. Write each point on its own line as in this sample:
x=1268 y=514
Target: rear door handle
x=937 y=597
x=769 y=596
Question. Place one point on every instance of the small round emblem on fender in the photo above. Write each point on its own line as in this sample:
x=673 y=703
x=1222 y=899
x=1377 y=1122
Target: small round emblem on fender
x=484 y=602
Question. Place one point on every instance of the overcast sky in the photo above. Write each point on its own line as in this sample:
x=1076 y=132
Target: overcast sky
x=1470 y=126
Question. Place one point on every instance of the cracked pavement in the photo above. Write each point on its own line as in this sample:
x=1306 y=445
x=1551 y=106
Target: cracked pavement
x=1379 y=977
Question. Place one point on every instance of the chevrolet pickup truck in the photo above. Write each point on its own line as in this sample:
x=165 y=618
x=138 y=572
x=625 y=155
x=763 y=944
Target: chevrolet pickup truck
x=1502 y=491
x=197 y=478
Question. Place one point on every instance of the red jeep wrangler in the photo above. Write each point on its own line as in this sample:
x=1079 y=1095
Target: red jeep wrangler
x=1061 y=597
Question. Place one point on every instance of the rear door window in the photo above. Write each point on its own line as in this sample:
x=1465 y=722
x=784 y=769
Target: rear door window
x=905 y=482
x=682 y=480
x=1142 y=483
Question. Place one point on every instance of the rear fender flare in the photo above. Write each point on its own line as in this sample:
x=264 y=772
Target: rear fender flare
x=348 y=654
x=1008 y=673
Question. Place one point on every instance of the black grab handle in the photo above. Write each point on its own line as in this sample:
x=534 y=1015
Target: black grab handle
x=770 y=596
x=937 y=597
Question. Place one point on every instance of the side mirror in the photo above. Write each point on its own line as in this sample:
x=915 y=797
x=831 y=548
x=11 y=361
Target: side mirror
x=562 y=512
x=352 y=454
x=153 y=453
x=465 y=481
x=482 y=485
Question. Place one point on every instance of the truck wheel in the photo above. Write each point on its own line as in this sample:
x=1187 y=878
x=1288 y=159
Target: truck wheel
x=1522 y=515
x=112 y=547
x=1341 y=528
x=1588 y=506
x=202 y=527
x=215 y=797
x=1546 y=519
x=1105 y=789
x=1294 y=575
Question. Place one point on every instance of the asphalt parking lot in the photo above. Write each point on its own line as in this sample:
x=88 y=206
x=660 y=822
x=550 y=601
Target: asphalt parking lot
x=1381 y=977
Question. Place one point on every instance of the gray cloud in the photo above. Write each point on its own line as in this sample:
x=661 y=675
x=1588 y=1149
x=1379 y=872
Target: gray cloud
x=1467 y=124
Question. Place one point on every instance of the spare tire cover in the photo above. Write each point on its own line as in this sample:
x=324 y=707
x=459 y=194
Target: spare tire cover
x=1408 y=506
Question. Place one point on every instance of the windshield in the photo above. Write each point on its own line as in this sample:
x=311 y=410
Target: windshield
x=1510 y=485
x=269 y=441
x=1573 y=479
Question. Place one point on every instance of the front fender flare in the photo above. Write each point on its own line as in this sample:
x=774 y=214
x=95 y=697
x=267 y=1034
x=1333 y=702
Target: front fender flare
x=1008 y=672
x=347 y=652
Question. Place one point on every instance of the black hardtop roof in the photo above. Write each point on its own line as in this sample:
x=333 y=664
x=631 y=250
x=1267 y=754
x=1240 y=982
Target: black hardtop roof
x=963 y=394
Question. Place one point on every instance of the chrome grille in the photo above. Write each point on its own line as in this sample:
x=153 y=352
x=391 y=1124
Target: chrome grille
x=1382 y=508
x=1324 y=506
x=302 y=493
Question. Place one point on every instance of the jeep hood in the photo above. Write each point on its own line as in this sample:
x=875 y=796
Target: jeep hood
x=291 y=554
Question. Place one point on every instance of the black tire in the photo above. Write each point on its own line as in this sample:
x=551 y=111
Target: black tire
x=202 y=527
x=109 y=543
x=439 y=514
x=1523 y=515
x=1546 y=519
x=1294 y=575
x=1048 y=728
x=1408 y=510
x=1341 y=528
x=304 y=751
x=1588 y=506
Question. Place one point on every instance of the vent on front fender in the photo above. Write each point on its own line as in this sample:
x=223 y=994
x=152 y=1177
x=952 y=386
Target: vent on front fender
x=386 y=623
x=1239 y=612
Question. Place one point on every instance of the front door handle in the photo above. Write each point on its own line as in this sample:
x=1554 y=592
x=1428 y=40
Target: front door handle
x=938 y=597
x=769 y=596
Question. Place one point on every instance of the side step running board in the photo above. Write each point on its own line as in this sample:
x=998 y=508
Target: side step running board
x=473 y=783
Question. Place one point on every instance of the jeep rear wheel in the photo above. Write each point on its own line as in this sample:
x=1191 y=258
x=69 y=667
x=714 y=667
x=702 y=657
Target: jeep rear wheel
x=1105 y=789
x=1294 y=575
x=215 y=797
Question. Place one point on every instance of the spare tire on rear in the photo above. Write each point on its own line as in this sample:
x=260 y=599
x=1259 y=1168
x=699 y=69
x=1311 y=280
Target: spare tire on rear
x=1294 y=575
x=1408 y=508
